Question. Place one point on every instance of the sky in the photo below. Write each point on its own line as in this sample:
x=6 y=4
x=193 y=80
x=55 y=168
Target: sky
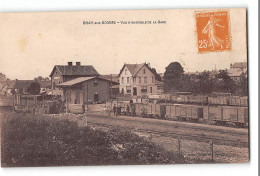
x=32 y=43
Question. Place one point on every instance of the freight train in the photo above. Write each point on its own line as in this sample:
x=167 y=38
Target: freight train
x=188 y=112
x=201 y=100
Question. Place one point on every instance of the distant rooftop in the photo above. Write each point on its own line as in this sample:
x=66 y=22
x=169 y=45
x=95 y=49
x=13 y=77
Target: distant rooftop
x=239 y=65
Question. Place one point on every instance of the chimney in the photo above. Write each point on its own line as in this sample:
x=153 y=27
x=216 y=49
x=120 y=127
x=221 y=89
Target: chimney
x=77 y=63
x=69 y=63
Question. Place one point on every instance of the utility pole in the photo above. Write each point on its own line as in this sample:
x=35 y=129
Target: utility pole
x=83 y=97
x=110 y=86
x=87 y=97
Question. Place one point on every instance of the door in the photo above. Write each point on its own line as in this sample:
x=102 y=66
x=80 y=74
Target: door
x=77 y=98
x=96 y=97
x=134 y=91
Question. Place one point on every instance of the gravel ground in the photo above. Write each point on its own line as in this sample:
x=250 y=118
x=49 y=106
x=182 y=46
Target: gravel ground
x=200 y=152
x=194 y=151
x=221 y=135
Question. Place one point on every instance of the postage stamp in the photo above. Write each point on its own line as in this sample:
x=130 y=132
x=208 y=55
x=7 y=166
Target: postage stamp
x=213 y=31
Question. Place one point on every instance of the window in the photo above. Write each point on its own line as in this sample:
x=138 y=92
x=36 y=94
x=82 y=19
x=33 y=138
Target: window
x=95 y=83
x=152 y=79
x=144 y=89
x=140 y=80
x=151 y=89
x=134 y=79
x=144 y=71
x=145 y=80
x=127 y=79
x=128 y=89
x=123 y=80
x=125 y=71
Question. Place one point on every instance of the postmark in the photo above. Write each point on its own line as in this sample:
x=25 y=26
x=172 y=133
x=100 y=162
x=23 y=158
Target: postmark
x=213 y=31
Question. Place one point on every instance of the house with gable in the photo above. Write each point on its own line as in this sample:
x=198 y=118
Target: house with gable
x=237 y=70
x=138 y=80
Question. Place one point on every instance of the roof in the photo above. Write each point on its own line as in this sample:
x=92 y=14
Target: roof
x=80 y=80
x=133 y=68
x=235 y=72
x=82 y=70
x=22 y=84
x=239 y=65
x=158 y=82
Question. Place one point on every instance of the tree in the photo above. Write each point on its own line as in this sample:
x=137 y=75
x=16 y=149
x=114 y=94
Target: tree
x=205 y=84
x=157 y=76
x=242 y=86
x=188 y=85
x=34 y=88
x=40 y=78
x=172 y=77
x=227 y=84
x=3 y=77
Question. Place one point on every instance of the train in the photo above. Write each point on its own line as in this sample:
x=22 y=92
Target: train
x=221 y=115
x=225 y=100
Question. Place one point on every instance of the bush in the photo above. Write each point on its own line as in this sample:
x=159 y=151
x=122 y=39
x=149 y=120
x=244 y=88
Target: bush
x=45 y=141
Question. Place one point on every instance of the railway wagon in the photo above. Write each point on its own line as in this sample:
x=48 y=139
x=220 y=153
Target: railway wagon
x=220 y=100
x=244 y=101
x=165 y=97
x=223 y=114
x=237 y=115
x=155 y=110
x=235 y=101
x=150 y=110
x=139 y=109
x=184 y=112
x=214 y=113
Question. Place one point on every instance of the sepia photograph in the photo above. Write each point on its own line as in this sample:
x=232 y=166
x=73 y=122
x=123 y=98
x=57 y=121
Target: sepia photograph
x=124 y=87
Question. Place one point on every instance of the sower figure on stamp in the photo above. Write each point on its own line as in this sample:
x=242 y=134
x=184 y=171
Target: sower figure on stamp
x=211 y=31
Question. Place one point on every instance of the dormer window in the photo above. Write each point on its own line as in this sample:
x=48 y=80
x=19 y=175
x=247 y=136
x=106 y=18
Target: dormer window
x=125 y=71
x=144 y=71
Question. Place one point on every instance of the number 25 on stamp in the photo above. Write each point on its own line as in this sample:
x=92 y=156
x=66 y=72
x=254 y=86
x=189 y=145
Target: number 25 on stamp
x=213 y=31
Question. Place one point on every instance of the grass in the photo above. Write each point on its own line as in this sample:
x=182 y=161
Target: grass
x=40 y=140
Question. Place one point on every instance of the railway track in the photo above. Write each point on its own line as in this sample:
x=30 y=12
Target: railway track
x=193 y=137
x=196 y=126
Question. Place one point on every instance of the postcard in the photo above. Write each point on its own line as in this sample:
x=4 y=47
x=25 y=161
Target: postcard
x=125 y=87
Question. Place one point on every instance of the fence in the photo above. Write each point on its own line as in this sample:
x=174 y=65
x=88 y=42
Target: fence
x=202 y=151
